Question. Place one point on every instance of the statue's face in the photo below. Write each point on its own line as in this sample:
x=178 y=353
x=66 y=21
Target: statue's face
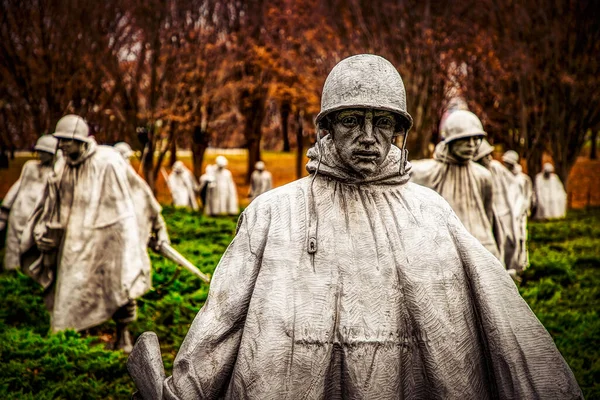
x=45 y=157
x=71 y=148
x=510 y=166
x=486 y=161
x=464 y=149
x=362 y=138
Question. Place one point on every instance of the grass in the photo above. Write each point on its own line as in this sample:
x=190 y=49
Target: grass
x=562 y=286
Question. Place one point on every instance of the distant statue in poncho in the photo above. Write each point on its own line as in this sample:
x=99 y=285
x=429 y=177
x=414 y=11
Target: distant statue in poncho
x=20 y=201
x=508 y=203
x=83 y=242
x=261 y=181
x=511 y=161
x=207 y=187
x=223 y=198
x=466 y=185
x=183 y=186
x=355 y=283
x=550 y=195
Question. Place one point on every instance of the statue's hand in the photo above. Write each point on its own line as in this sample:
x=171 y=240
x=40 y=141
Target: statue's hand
x=2 y=225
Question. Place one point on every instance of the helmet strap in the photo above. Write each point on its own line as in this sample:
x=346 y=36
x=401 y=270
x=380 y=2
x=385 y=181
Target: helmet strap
x=403 y=155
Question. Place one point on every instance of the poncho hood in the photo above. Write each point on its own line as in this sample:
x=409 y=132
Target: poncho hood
x=90 y=149
x=332 y=166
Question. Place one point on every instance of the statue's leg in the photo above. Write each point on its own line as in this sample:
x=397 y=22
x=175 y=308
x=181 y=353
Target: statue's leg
x=123 y=316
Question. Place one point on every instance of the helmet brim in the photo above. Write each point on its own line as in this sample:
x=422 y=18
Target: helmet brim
x=406 y=123
x=480 y=134
x=69 y=135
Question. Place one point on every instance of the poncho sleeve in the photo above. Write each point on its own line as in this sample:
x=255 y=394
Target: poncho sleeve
x=523 y=361
x=208 y=354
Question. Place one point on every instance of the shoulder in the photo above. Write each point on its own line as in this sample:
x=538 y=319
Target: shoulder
x=30 y=166
x=109 y=156
x=481 y=171
x=426 y=198
x=278 y=196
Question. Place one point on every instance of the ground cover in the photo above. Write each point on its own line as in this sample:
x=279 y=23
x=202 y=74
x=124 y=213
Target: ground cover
x=562 y=286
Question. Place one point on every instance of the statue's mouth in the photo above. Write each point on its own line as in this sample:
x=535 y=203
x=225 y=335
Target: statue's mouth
x=365 y=154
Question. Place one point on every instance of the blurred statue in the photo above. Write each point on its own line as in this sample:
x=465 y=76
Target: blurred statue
x=183 y=186
x=83 y=243
x=507 y=204
x=223 y=197
x=261 y=181
x=550 y=195
x=354 y=283
x=19 y=202
x=207 y=187
x=511 y=161
x=466 y=185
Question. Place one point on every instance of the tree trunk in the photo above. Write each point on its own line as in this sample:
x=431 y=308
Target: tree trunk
x=252 y=129
x=284 y=111
x=593 y=148
x=148 y=162
x=173 y=149
x=534 y=162
x=300 y=144
x=199 y=146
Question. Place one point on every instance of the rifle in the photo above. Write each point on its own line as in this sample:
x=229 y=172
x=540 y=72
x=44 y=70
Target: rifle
x=170 y=253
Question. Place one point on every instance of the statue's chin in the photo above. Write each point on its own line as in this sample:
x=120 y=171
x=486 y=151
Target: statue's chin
x=365 y=172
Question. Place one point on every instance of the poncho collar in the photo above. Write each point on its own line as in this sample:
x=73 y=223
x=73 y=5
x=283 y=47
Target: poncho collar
x=333 y=167
x=87 y=153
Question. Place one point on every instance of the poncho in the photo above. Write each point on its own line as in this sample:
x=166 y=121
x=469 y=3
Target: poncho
x=508 y=204
x=182 y=185
x=529 y=202
x=222 y=199
x=102 y=263
x=550 y=196
x=260 y=182
x=21 y=200
x=398 y=301
x=467 y=186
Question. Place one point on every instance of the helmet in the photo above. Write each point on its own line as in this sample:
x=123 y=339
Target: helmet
x=72 y=127
x=365 y=81
x=178 y=166
x=484 y=149
x=462 y=124
x=124 y=149
x=46 y=143
x=259 y=165
x=548 y=167
x=221 y=161
x=511 y=157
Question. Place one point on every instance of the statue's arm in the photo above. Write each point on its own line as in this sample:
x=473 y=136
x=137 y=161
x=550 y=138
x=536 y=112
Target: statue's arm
x=522 y=360
x=205 y=361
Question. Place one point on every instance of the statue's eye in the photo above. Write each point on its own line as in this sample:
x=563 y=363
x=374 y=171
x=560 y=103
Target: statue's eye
x=384 y=123
x=350 y=121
